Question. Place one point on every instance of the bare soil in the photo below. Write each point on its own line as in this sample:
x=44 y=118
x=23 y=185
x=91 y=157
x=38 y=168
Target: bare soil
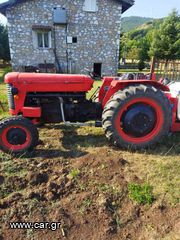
x=85 y=187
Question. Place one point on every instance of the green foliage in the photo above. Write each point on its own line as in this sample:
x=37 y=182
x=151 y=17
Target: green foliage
x=135 y=44
x=141 y=65
x=4 y=44
x=74 y=173
x=144 y=46
x=142 y=194
x=159 y=38
x=3 y=98
x=5 y=71
x=130 y=23
x=166 y=41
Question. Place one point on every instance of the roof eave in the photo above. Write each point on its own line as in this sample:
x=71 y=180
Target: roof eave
x=126 y=4
x=3 y=8
x=5 y=5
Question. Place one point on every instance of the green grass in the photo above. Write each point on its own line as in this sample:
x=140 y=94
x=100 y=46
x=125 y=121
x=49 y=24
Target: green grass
x=96 y=85
x=3 y=99
x=74 y=173
x=141 y=194
x=159 y=167
x=1 y=75
x=3 y=95
x=133 y=71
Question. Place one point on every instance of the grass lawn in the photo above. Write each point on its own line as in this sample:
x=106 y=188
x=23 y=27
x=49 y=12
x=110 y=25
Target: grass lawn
x=3 y=97
x=1 y=74
x=133 y=71
x=97 y=84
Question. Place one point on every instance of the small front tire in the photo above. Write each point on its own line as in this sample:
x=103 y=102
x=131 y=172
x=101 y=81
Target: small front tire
x=18 y=136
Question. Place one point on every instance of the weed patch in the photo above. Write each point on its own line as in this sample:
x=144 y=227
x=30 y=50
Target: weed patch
x=74 y=174
x=141 y=194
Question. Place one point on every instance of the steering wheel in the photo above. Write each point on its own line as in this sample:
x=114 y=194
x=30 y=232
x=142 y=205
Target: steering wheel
x=90 y=73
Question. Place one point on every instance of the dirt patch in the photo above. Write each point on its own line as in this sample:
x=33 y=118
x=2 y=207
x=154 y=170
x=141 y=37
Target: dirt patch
x=87 y=191
x=35 y=178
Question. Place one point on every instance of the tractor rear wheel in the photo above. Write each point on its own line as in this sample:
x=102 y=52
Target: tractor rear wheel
x=18 y=135
x=137 y=117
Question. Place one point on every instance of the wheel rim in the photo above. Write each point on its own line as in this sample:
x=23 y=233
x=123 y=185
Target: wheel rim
x=148 y=109
x=138 y=120
x=16 y=138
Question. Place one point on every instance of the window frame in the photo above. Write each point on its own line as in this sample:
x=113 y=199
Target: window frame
x=43 y=32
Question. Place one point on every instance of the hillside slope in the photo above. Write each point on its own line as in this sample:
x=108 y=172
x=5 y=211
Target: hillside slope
x=130 y=23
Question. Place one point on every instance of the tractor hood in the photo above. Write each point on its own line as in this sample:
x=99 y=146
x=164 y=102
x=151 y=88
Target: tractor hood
x=50 y=82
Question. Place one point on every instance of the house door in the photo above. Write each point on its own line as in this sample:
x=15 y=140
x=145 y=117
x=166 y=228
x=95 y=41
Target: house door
x=97 y=69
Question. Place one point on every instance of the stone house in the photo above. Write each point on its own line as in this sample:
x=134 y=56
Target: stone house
x=71 y=36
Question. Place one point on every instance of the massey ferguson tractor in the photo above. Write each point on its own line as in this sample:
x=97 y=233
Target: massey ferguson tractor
x=134 y=113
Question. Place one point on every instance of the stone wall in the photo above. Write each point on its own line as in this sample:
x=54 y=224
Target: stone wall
x=97 y=33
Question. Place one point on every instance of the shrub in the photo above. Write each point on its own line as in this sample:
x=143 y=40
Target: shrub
x=5 y=71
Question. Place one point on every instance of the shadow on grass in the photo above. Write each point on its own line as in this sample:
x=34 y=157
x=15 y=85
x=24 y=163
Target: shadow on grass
x=73 y=141
x=54 y=153
x=169 y=146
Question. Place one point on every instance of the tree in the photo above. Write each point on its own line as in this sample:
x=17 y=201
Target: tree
x=133 y=53
x=4 y=44
x=135 y=44
x=128 y=48
x=166 y=42
x=144 y=46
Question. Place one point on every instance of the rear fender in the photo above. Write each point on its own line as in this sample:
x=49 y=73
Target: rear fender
x=115 y=86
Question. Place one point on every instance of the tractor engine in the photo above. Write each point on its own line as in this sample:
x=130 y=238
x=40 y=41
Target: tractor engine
x=61 y=107
x=52 y=98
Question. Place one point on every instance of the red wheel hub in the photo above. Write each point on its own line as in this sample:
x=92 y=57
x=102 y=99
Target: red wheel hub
x=155 y=128
x=16 y=138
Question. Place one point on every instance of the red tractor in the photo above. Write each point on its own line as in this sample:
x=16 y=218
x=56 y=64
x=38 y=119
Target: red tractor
x=134 y=113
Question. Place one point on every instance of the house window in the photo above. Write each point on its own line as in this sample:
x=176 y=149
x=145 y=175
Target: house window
x=74 y=40
x=43 y=39
x=90 y=6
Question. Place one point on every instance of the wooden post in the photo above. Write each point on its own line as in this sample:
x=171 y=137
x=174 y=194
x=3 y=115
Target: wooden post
x=153 y=61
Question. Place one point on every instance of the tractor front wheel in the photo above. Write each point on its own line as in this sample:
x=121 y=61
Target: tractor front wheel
x=18 y=135
x=137 y=117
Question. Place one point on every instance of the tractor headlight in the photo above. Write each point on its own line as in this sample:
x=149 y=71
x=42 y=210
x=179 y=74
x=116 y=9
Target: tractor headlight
x=14 y=91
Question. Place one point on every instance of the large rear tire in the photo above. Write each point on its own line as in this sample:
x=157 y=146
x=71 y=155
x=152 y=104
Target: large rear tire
x=18 y=136
x=137 y=117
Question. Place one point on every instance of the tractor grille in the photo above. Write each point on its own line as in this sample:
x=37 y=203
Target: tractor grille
x=10 y=97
